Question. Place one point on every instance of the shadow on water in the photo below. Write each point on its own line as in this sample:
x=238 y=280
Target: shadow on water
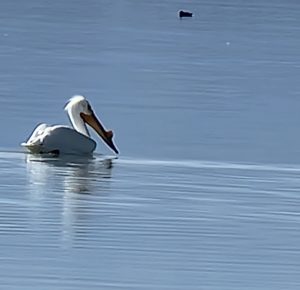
x=76 y=173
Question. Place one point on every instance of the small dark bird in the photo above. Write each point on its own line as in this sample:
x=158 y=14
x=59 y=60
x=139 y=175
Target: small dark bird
x=182 y=13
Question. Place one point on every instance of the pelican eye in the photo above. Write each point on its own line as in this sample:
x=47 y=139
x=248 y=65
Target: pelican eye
x=89 y=107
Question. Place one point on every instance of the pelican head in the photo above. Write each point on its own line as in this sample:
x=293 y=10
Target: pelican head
x=81 y=113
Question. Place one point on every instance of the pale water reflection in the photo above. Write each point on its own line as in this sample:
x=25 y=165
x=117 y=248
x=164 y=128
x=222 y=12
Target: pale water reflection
x=77 y=173
x=72 y=177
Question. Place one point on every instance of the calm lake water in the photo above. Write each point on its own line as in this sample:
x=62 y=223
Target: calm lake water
x=205 y=192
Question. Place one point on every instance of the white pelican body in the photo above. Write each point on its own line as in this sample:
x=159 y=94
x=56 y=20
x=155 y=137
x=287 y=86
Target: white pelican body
x=61 y=139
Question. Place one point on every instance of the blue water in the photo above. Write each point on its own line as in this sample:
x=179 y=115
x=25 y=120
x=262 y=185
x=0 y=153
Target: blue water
x=205 y=192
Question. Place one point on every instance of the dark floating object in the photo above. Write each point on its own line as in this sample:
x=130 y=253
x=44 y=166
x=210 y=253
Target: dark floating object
x=183 y=13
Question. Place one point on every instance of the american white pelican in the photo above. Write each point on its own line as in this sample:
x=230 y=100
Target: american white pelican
x=59 y=139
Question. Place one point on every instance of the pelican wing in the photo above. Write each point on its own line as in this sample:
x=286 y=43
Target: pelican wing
x=35 y=141
x=37 y=133
x=59 y=139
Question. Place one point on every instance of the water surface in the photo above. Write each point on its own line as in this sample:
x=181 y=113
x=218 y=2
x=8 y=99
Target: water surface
x=204 y=194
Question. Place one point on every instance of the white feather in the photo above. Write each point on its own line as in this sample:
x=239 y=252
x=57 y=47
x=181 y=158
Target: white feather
x=63 y=139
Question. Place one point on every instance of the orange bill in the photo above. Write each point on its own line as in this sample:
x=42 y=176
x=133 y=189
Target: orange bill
x=97 y=126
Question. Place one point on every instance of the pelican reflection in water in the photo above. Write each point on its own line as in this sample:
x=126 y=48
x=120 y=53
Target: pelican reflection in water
x=77 y=187
x=59 y=139
x=83 y=175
